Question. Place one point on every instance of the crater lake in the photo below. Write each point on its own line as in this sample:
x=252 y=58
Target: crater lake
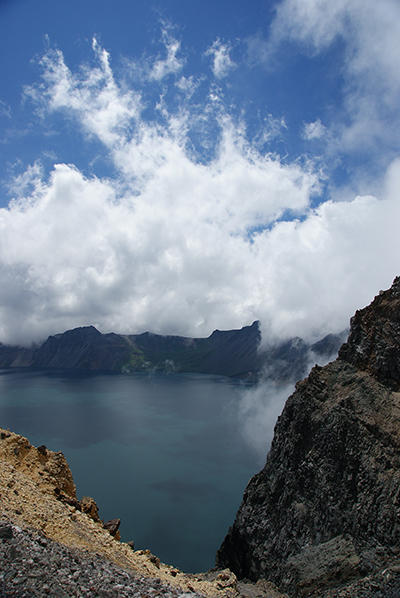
x=163 y=452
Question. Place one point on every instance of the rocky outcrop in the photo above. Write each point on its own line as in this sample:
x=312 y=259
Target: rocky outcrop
x=54 y=545
x=234 y=353
x=325 y=510
x=32 y=566
x=48 y=469
x=373 y=345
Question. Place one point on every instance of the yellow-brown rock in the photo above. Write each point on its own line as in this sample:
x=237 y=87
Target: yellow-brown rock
x=50 y=470
x=31 y=482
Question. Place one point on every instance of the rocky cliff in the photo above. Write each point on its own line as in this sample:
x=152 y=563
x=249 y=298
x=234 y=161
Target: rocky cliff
x=325 y=510
x=54 y=545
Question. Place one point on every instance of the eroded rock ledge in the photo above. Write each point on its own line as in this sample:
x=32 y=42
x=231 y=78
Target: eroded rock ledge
x=324 y=513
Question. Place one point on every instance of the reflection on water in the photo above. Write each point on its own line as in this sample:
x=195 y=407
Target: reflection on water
x=163 y=453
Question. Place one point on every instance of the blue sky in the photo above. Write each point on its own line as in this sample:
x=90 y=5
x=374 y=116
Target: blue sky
x=185 y=166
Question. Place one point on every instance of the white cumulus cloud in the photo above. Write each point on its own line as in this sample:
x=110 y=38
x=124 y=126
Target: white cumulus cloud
x=178 y=245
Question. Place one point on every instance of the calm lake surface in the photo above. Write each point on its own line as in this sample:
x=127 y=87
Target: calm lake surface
x=164 y=453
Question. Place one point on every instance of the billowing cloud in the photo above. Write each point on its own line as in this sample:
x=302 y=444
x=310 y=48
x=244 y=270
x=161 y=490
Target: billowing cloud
x=176 y=244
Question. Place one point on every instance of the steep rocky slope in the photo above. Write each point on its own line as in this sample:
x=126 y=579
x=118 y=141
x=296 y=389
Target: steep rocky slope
x=54 y=545
x=323 y=516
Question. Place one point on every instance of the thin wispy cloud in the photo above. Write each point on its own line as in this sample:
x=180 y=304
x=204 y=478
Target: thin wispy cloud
x=172 y=63
x=369 y=35
x=314 y=130
x=5 y=111
x=221 y=61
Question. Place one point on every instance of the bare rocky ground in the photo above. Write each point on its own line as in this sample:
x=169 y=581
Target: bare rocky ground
x=49 y=545
x=33 y=566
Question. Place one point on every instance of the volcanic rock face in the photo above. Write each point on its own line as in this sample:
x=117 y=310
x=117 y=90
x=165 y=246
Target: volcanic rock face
x=326 y=506
x=374 y=341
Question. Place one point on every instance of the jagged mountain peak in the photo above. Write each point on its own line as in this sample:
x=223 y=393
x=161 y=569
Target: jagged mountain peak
x=81 y=332
x=373 y=344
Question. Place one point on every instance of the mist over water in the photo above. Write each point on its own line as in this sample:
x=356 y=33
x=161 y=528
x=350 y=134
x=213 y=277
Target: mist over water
x=168 y=454
x=259 y=408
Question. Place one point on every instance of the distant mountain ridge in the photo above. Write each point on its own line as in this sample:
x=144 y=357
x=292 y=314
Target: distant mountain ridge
x=234 y=353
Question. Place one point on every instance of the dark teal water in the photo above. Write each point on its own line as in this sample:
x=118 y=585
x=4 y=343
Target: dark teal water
x=164 y=453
